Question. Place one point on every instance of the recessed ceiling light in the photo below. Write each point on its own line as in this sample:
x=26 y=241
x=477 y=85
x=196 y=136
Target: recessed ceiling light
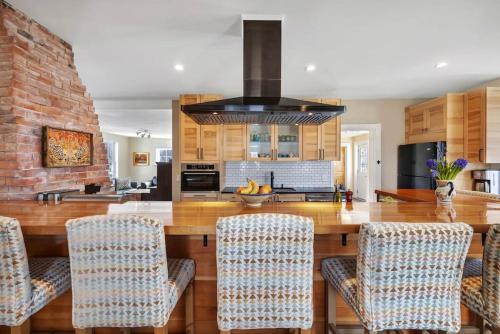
x=442 y=64
x=310 y=68
x=179 y=67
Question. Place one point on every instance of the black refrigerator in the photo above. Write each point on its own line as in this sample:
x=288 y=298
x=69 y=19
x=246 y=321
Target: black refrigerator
x=413 y=172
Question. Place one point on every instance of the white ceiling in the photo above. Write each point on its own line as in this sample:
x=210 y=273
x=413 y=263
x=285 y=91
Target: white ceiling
x=125 y=116
x=361 y=48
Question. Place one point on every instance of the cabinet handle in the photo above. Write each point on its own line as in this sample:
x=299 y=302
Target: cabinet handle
x=201 y=153
x=481 y=155
x=244 y=154
x=198 y=153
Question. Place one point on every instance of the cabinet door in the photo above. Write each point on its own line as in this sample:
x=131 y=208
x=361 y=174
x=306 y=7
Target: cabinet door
x=474 y=126
x=209 y=142
x=189 y=99
x=287 y=142
x=234 y=142
x=260 y=142
x=190 y=139
x=330 y=140
x=210 y=97
x=311 y=141
x=417 y=122
x=436 y=119
x=492 y=125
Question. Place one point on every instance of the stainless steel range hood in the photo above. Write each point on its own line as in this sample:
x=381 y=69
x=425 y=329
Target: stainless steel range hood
x=262 y=101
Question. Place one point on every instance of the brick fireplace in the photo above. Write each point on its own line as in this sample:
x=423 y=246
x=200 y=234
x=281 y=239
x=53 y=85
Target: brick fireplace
x=39 y=85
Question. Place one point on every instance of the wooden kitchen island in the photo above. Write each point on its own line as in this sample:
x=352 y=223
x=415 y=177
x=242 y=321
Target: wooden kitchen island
x=190 y=232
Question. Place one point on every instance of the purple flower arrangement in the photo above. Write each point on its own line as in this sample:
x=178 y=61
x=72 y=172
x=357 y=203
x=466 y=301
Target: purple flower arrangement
x=442 y=170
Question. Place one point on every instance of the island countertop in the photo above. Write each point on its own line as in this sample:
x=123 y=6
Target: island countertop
x=199 y=218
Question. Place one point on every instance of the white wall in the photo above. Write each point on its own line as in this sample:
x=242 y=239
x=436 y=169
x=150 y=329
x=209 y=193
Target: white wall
x=145 y=173
x=123 y=160
x=128 y=145
x=390 y=114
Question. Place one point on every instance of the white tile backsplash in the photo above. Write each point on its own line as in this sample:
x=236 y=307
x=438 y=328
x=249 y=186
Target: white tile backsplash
x=290 y=174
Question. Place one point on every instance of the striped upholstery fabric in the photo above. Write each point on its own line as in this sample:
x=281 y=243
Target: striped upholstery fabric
x=407 y=275
x=119 y=272
x=481 y=283
x=26 y=287
x=264 y=271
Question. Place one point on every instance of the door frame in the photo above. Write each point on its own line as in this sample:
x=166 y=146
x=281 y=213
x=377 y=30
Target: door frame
x=374 y=155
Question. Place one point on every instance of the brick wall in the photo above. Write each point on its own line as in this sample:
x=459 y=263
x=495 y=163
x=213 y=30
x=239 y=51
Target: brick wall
x=39 y=85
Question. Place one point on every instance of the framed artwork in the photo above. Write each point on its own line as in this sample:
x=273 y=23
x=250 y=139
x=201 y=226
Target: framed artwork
x=141 y=158
x=66 y=148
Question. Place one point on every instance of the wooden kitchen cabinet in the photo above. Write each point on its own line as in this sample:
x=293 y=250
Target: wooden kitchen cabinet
x=198 y=143
x=427 y=121
x=234 y=142
x=482 y=125
x=279 y=142
x=322 y=142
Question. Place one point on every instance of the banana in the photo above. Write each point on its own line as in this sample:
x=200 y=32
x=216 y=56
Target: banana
x=248 y=189
x=251 y=188
x=255 y=187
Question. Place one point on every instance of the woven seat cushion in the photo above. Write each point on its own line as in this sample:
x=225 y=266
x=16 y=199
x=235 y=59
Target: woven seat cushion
x=50 y=278
x=340 y=272
x=180 y=273
x=471 y=286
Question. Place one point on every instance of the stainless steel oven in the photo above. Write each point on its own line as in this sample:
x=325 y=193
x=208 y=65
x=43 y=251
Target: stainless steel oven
x=200 y=177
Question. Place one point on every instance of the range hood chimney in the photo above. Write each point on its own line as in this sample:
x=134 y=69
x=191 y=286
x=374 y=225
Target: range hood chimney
x=262 y=102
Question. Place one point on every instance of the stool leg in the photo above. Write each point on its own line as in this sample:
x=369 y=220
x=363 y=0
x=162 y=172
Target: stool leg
x=23 y=328
x=161 y=330
x=480 y=324
x=190 y=308
x=330 y=309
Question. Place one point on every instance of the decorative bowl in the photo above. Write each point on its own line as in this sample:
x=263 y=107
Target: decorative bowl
x=255 y=200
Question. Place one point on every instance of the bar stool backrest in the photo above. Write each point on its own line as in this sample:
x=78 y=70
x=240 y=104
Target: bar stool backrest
x=264 y=271
x=15 y=281
x=491 y=275
x=118 y=271
x=409 y=275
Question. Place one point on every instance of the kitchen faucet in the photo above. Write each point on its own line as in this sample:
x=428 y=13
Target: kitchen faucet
x=272 y=180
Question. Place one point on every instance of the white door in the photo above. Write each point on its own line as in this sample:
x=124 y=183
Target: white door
x=362 y=167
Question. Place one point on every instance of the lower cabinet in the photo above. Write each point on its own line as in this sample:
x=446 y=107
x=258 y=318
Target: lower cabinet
x=199 y=197
x=290 y=198
x=230 y=198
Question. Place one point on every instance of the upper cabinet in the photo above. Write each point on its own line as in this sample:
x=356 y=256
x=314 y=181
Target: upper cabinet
x=322 y=142
x=234 y=146
x=268 y=142
x=426 y=122
x=256 y=142
x=482 y=125
x=198 y=142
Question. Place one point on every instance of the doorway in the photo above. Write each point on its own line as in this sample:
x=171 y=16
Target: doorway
x=362 y=172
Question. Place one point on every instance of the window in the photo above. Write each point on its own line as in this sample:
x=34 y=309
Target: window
x=112 y=151
x=163 y=154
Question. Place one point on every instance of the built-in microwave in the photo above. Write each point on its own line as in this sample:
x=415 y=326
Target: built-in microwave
x=200 y=177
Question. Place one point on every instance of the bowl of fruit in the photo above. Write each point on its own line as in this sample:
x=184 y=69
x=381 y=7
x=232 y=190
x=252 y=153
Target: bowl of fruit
x=254 y=195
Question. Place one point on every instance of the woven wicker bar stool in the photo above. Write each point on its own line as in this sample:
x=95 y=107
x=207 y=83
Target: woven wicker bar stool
x=264 y=272
x=406 y=276
x=121 y=277
x=26 y=285
x=481 y=283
